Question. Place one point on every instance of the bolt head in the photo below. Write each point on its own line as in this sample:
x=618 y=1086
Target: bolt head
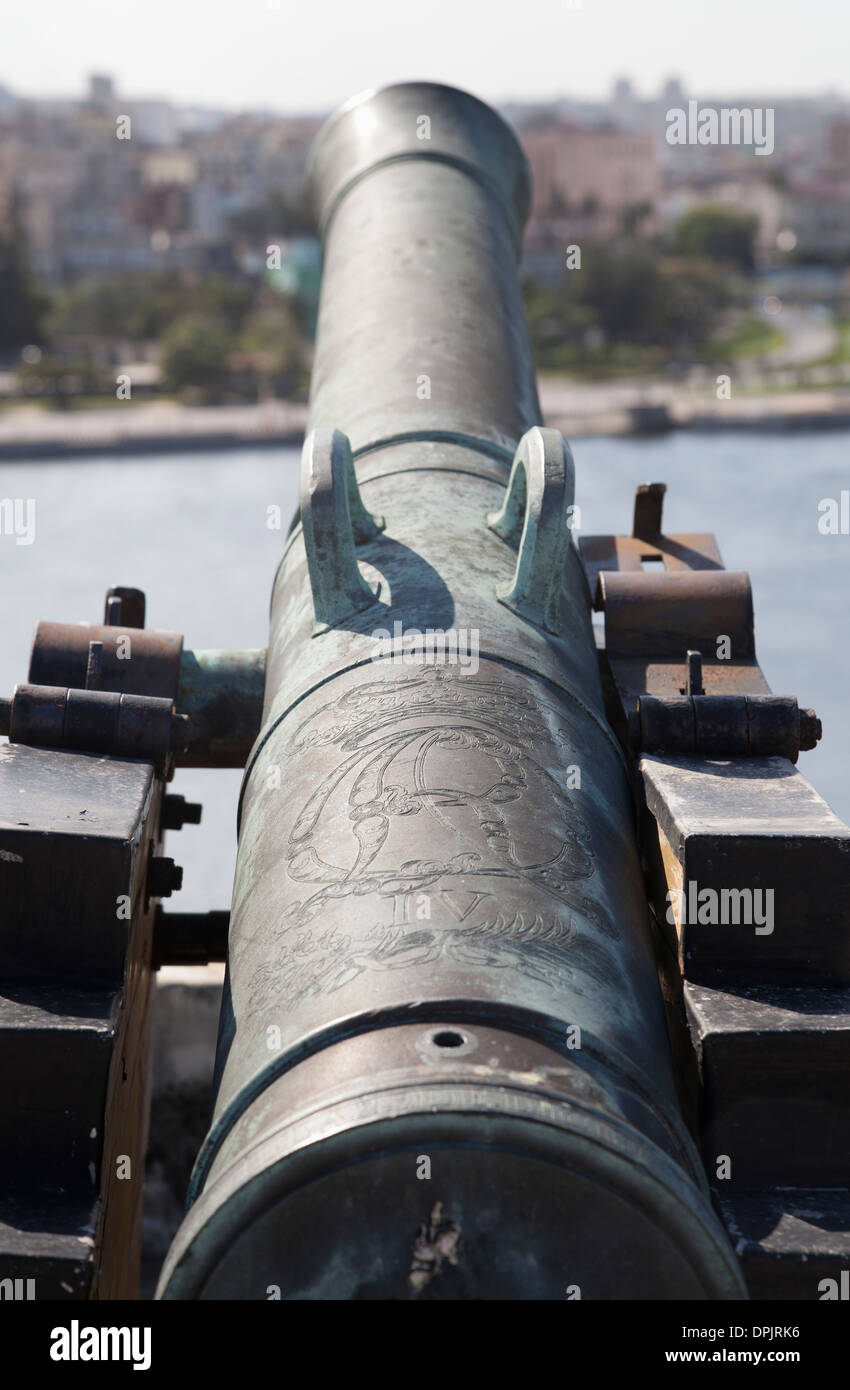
x=811 y=729
x=164 y=877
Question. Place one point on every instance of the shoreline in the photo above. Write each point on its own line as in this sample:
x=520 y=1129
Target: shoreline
x=616 y=408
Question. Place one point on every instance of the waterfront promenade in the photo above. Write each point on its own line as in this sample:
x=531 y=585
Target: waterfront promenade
x=577 y=409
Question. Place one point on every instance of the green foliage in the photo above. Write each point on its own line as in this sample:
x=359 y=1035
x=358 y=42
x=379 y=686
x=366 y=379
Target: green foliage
x=22 y=303
x=271 y=336
x=194 y=354
x=623 y=289
x=748 y=337
x=229 y=298
x=693 y=295
x=717 y=234
x=109 y=306
x=217 y=333
x=558 y=323
x=625 y=305
x=141 y=307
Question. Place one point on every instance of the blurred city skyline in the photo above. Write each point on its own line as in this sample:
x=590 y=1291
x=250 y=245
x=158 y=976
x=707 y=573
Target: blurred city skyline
x=172 y=236
x=287 y=56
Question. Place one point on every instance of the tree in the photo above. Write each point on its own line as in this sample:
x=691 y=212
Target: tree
x=634 y=299
x=194 y=354
x=717 y=234
x=142 y=306
x=108 y=306
x=624 y=289
x=22 y=303
x=634 y=215
x=272 y=334
x=557 y=323
x=693 y=299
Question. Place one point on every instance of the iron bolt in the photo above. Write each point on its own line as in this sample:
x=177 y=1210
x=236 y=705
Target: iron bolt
x=124 y=607
x=693 y=666
x=177 y=812
x=164 y=877
x=811 y=729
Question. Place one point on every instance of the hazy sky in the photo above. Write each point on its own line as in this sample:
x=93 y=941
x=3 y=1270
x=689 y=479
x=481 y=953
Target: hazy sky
x=312 y=54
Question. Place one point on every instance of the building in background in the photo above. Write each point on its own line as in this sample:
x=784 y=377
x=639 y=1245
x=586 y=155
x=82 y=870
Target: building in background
x=176 y=194
x=204 y=190
x=588 y=185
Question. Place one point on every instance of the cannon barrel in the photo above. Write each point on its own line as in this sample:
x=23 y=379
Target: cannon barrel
x=444 y=1068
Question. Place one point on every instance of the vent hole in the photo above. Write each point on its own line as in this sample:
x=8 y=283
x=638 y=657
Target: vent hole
x=448 y=1039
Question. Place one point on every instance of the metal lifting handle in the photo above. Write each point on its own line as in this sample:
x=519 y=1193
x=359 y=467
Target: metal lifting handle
x=535 y=519
x=334 y=522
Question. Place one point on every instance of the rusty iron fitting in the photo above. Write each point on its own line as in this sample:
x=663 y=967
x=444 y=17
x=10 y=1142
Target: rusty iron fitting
x=177 y=812
x=98 y=721
x=221 y=692
x=124 y=607
x=164 y=877
x=649 y=509
x=748 y=726
x=132 y=660
x=189 y=938
x=658 y=616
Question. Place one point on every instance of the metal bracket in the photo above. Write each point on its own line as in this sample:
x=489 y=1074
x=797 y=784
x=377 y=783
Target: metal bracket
x=334 y=521
x=647 y=544
x=648 y=517
x=658 y=617
x=671 y=686
x=723 y=726
x=220 y=691
x=97 y=656
x=534 y=519
x=96 y=721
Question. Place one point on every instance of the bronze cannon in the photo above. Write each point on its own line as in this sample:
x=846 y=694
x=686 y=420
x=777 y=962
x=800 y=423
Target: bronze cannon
x=443 y=1065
